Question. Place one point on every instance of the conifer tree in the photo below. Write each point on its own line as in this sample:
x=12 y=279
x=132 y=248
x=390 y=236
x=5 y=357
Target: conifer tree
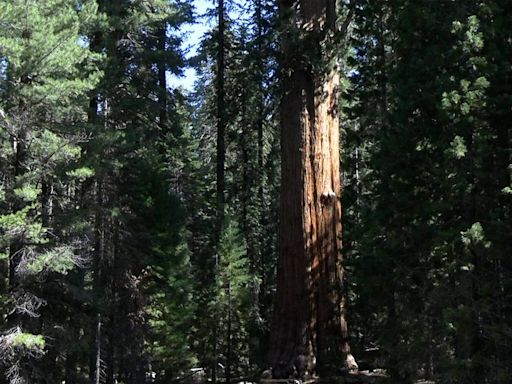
x=249 y=190
x=309 y=335
x=47 y=73
x=427 y=144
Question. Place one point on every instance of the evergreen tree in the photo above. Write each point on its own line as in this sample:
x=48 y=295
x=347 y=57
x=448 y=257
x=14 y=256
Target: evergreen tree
x=309 y=335
x=426 y=132
x=249 y=191
x=134 y=128
x=233 y=304
x=46 y=75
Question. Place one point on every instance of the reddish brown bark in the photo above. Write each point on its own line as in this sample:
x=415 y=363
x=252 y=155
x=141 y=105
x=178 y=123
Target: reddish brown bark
x=309 y=333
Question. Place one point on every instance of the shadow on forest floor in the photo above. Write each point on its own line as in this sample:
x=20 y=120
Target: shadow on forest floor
x=363 y=377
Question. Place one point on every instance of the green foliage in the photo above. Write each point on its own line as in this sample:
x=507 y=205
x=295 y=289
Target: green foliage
x=81 y=173
x=20 y=224
x=171 y=310
x=422 y=190
x=29 y=341
x=46 y=76
x=43 y=54
x=233 y=305
x=233 y=276
x=251 y=97
x=60 y=260
x=458 y=147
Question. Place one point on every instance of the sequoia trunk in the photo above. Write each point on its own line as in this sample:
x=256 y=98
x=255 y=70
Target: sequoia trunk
x=309 y=333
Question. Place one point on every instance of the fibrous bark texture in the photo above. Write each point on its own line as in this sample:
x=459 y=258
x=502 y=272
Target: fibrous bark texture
x=309 y=335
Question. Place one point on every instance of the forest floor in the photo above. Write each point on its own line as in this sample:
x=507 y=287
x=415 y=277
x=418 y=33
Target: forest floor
x=363 y=377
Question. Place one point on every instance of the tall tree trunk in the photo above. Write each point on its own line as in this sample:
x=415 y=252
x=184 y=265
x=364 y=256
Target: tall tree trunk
x=95 y=319
x=97 y=359
x=221 y=117
x=17 y=246
x=162 y=81
x=221 y=157
x=98 y=261
x=229 y=336
x=261 y=150
x=97 y=264
x=309 y=333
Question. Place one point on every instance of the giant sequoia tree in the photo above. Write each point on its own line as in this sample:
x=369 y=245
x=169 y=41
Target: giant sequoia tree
x=310 y=333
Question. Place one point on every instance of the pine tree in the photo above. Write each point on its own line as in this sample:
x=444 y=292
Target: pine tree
x=47 y=73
